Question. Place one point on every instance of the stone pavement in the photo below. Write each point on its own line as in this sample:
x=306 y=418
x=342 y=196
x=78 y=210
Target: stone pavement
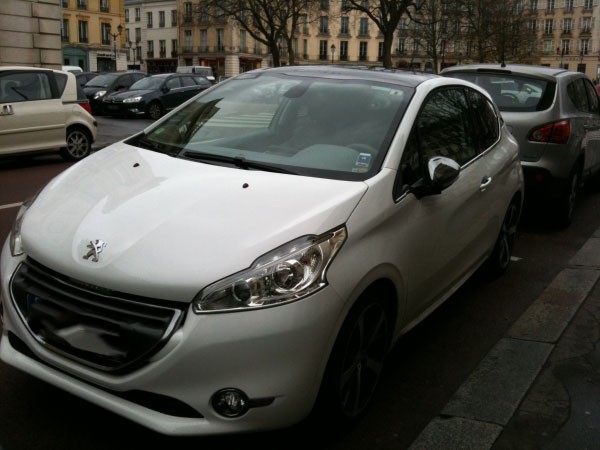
x=539 y=387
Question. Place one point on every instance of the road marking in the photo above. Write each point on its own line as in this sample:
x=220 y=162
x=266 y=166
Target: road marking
x=11 y=205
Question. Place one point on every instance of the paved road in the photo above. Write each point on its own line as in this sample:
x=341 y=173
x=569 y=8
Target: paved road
x=112 y=129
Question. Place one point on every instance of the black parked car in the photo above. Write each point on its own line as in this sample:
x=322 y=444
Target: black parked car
x=84 y=77
x=107 y=83
x=155 y=95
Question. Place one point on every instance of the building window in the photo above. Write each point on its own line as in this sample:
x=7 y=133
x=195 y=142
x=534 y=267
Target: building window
x=150 y=49
x=324 y=5
x=149 y=15
x=362 y=51
x=104 y=6
x=187 y=41
x=345 y=25
x=220 y=39
x=324 y=25
x=105 y=33
x=567 y=25
x=138 y=14
x=187 y=11
x=126 y=15
x=243 y=48
x=588 y=4
x=83 y=31
x=401 y=47
x=304 y=24
x=343 y=50
x=81 y=4
x=64 y=30
x=65 y=4
x=569 y=5
x=161 y=19
x=584 y=47
x=203 y=40
x=323 y=50
x=174 y=18
x=548 y=26
x=565 y=45
x=550 y=6
x=380 y=50
x=138 y=35
x=174 y=48
x=162 y=45
x=364 y=26
x=586 y=25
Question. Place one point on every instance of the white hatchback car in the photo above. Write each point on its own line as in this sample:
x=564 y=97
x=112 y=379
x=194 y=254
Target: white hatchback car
x=44 y=109
x=252 y=256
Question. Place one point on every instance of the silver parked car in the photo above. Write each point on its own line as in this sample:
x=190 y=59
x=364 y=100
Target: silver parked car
x=555 y=116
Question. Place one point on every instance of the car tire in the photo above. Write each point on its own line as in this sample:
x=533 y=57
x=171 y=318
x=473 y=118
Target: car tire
x=566 y=202
x=356 y=362
x=79 y=144
x=154 y=111
x=499 y=260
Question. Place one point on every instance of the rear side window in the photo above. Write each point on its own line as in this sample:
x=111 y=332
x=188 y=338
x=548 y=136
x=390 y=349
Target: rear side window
x=486 y=120
x=578 y=95
x=187 y=81
x=24 y=86
x=61 y=81
x=513 y=92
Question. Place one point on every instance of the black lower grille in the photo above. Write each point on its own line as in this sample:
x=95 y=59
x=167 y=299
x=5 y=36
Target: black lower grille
x=103 y=329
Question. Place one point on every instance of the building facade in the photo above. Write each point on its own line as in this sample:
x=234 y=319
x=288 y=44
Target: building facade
x=34 y=30
x=93 y=34
x=568 y=35
x=152 y=35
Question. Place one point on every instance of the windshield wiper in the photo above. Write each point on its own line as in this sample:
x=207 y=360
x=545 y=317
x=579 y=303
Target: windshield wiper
x=237 y=161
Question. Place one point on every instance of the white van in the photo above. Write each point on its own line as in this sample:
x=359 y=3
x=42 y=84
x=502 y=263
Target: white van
x=72 y=69
x=205 y=71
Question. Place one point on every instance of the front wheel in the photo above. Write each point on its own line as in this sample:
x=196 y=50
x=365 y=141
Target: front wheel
x=500 y=257
x=356 y=362
x=79 y=144
x=154 y=111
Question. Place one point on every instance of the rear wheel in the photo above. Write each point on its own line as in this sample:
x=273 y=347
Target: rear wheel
x=154 y=111
x=566 y=202
x=500 y=258
x=355 y=365
x=79 y=144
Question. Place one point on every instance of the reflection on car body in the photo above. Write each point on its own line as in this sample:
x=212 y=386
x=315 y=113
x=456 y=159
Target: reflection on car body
x=248 y=260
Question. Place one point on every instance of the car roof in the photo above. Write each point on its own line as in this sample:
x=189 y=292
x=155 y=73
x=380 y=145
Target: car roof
x=517 y=69
x=398 y=76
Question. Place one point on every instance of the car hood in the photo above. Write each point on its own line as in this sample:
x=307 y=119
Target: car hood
x=172 y=226
x=130 y=94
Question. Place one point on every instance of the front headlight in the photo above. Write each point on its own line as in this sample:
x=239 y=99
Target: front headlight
x=99 y=94
x=285 y=274
x=133 y=100
x=15 y=241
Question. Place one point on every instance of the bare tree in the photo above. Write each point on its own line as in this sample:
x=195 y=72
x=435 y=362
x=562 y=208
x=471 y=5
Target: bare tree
x=386 y=14
x=270 y=22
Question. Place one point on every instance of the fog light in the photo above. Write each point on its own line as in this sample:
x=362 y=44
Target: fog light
x=230 y=402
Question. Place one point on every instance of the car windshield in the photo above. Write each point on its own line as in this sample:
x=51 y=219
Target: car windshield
x=332 y=128
x=104 y=80
x=147 y=83
x=513 y=92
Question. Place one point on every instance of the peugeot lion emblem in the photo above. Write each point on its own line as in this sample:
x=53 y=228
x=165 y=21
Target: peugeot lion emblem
x=95 y=248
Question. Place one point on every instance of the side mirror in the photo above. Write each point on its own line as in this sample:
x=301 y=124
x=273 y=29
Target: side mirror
x=441 y=173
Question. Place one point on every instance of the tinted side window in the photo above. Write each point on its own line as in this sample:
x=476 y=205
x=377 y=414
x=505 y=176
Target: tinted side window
x=27 y=86
x=486 y=120
x=592 y=96
x=173 y=83
x=61 y=81
x=444 y=126
x=187 y=81
x=577 y=94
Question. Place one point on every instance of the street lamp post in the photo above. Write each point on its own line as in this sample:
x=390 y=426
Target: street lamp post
x=115 y=36
x=332 y=48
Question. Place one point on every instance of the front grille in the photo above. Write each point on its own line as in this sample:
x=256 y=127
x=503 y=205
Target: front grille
x=100 y=328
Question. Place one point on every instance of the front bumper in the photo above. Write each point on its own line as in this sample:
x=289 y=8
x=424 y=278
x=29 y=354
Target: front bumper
x=276 y=356
x=124 y=109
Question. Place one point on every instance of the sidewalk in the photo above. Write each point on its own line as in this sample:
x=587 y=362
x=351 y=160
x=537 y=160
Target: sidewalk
x=539 y=387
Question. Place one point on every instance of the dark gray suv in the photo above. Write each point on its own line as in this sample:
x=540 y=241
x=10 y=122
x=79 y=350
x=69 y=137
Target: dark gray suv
x=554 y=114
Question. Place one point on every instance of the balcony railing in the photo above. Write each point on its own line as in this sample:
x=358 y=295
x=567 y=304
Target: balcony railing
x=104 y=9
x=162 y=54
